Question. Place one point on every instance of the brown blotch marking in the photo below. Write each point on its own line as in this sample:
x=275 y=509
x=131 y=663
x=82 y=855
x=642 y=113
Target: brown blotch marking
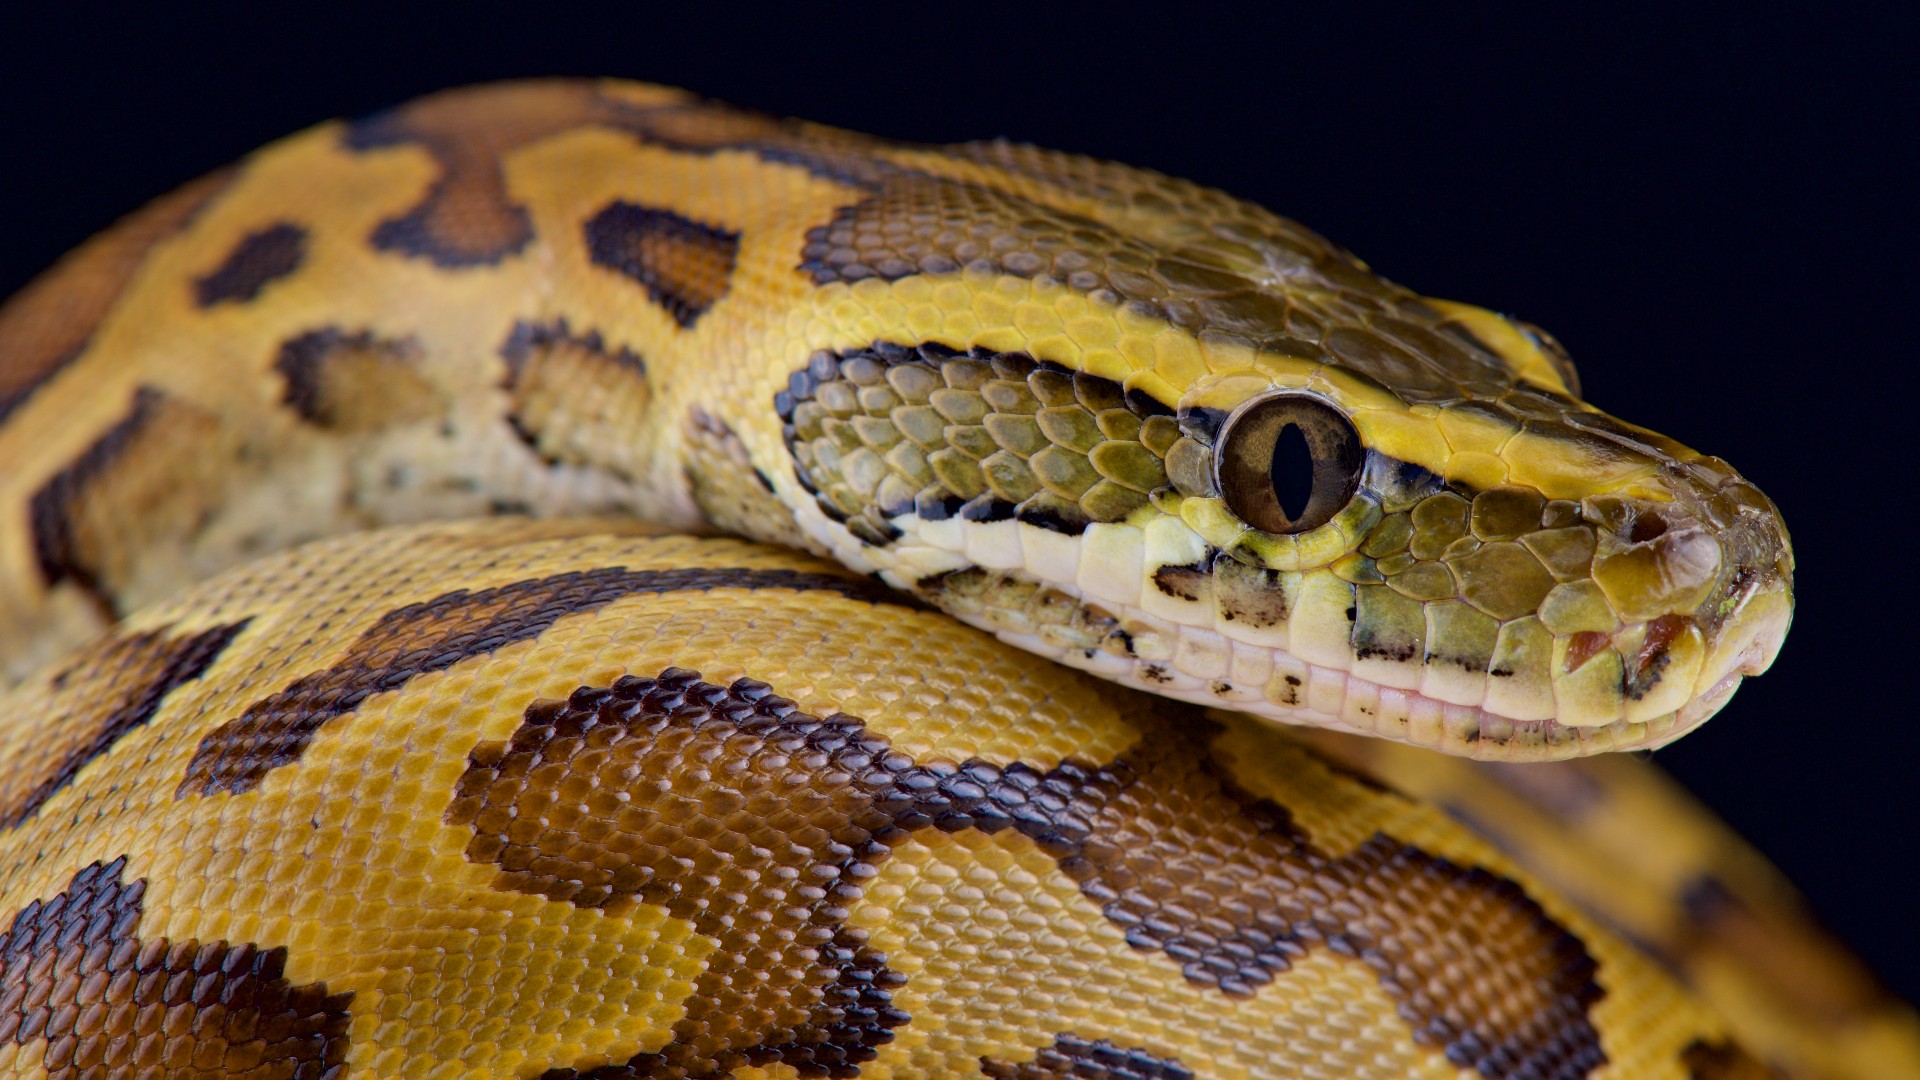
x=1074 y=1058
x=1724 y=1061
x=468 y=218
x=741 y=814
x=115 y=686
x=258 y=259
x=356 y=381
x=47 y=325
x=571 y=396
x=436 y=634
x=685 y=266
x=1228 y=886
x=75 y=974
x=151 y=476
x=725 y=804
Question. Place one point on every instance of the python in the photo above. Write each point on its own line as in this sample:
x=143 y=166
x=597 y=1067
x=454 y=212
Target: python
x=319 y=789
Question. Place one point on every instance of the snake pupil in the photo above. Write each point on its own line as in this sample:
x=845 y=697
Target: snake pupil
x=1292 y=471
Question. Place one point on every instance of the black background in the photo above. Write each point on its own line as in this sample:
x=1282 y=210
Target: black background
x=1711 y=213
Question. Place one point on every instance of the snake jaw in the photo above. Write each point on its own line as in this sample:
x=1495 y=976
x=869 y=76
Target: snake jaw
x=1580 y=670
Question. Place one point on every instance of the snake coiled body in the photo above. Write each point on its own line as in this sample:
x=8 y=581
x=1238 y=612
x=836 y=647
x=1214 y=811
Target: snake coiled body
x=294 y=784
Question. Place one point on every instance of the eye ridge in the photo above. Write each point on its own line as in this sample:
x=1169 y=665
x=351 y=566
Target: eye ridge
x=1287 y=462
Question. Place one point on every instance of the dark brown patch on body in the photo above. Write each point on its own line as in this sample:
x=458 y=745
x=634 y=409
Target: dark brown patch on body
x=468 y=218
x=1724 y=1061
x=114 y=687
x=48 y=324
x=76 y=975
x=436 y=634
x=723 y=803
x=744 y=816
x=257 y=260
x=356 y=381
x=685 y=266
x=1237 y=892
x=574 y=400
x=151 y=477
x=1074 y=1058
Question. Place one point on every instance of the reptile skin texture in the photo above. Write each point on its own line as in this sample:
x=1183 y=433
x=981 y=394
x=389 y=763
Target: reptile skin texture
x=569 y=579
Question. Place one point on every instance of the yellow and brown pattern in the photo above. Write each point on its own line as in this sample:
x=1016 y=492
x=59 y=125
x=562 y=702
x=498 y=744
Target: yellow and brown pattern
x=355 y=381
x=126 y=678
x=50 y=323
x=1623 y=840
x=154 y=473
x=518 y=832
x=83 y=995
x=526 y=799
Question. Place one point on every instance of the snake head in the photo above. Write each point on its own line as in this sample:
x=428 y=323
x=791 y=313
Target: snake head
x=1411 y=541
x=1192 y=447
x=1485 y=566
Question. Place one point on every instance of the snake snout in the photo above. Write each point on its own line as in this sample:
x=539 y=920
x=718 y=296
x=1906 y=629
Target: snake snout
x=1702 y=581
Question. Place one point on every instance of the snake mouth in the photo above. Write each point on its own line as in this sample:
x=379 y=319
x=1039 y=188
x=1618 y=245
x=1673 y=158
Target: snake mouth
x=1341 y=701
x=1279 y=687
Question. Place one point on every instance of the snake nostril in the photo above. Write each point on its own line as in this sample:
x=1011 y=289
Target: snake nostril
x=1647 y=525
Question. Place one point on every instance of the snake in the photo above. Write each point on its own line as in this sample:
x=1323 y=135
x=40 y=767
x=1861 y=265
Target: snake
x=572 y=579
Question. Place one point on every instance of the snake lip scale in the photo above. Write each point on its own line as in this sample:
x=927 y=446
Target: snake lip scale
x=1407 y=716
x=570 y=579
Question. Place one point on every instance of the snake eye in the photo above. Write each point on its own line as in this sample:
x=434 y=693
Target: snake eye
x=1287 y=462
